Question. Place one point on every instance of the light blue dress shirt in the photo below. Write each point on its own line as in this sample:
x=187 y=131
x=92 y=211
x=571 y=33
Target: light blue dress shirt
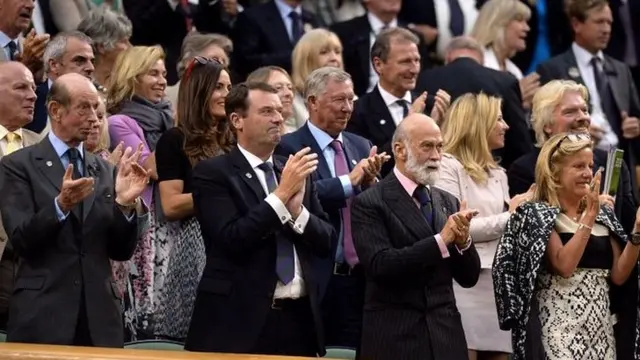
x=285 y=10
x=4 y=41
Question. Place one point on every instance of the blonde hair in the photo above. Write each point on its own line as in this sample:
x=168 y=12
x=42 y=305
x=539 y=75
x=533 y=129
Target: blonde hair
x=545 y=102
x=550 y=164
x=130 y=64
x=104 y=142
x=494 y=17
x=466 y=130
x=304 y=59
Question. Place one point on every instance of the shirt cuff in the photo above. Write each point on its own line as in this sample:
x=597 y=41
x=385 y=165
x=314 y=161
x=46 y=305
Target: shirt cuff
x=301 y=222
x=466 y=247
x=130 y=216
x=443 y=247
x=61 y=216
x=281 y=210
x=346 y=186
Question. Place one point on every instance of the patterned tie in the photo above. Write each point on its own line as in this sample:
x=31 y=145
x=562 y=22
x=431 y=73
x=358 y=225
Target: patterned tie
x=13 y=142
x=422 y=195
x=186 y=11
x=285 y=266
x=405 y=107
x=296 y=27
x=342 y=168
x=456 y=23
x=13 y=50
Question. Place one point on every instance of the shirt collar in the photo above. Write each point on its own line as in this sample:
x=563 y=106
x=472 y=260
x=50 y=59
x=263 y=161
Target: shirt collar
x=408 y=185
x=5 y=39
x=583 y=57
x=4 y=132
x=285 y=9
x=390 y=99
x=253 y=160
x=491 y=61
x=377 y=24
x=61 y=148
x=322 y=138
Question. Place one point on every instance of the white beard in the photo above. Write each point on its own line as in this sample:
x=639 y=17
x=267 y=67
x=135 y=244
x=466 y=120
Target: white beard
x=423 y=173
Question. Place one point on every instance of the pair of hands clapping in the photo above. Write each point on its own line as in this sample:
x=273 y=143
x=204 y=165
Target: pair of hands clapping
x=291 y=188
x=456 y=229
x=366 y=171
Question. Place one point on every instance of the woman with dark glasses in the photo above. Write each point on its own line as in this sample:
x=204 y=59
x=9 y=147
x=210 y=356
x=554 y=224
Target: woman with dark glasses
x=559 y=257
x=202 y=131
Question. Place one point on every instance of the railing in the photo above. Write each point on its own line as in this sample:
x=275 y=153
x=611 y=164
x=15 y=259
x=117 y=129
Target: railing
x=13 y=351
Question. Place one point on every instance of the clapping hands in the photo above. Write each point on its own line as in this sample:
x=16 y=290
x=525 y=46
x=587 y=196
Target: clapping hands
x=131 y=178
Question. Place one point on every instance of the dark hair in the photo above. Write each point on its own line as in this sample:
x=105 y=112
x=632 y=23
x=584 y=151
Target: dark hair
x=237 y=99
x=578 y=9
x=382 y=46
x=59 y=93
x=204 y=135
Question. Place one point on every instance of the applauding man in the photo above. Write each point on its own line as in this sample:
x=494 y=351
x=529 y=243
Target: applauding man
x=413 y=240
x=347 y=164
x=65 y=226
x=261 y=224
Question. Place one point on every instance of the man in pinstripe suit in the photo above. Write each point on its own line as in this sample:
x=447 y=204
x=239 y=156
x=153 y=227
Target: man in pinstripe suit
x=413 y=240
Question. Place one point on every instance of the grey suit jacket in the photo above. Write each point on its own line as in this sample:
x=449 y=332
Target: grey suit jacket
x=60 y=262
x=28 y=138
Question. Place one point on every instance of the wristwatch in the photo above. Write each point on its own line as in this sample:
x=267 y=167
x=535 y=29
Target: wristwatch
x=635 y=238
x=129 y=207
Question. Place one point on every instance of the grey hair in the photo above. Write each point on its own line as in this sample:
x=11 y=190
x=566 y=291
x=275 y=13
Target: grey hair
x=399 y=136
x=195 y=43
x=105 y=27
x=58 y=45
x=464 y=43
x=318 y=79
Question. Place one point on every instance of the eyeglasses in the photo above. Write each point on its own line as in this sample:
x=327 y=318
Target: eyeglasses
x=199 y=60
x=573 y=137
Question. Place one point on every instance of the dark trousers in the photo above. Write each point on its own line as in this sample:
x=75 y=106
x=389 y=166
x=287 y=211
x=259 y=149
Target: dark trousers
x=289 y=330
x=342 y=307
x=82 y=336
x=7 y=279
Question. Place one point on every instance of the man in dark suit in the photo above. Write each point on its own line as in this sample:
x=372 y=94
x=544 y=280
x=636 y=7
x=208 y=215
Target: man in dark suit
x=261 y=223
x=347 y=165
x=625 y=35
x=358 y=36
x=561 y=106
x=464 y=73
x=65 y=226
x=220 y=16
x=413 y=240
x=396 y=60
x=614 y=101
x=266 y=34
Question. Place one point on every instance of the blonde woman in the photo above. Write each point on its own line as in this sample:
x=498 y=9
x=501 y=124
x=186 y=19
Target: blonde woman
x=559 y=257
x=501 y=28
x=317 y=48
x=474 y=127
x=140 y=115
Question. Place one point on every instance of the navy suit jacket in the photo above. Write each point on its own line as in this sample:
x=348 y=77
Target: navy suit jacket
x=330 y=191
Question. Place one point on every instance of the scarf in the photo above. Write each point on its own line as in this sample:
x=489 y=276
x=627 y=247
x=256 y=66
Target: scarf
x=153 y=118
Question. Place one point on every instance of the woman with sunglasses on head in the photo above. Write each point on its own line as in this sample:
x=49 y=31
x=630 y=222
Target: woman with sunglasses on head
x=202 y=132
x=559 y=257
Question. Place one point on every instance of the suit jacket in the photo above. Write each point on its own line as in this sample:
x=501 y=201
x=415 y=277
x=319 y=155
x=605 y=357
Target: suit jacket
x=463 y=76
x=60 y=262
x=239 y=230
x=210 y=17
x=618 y=42
x=260 y=38
x=330 y=191
x=409 y=295
x=355 y=35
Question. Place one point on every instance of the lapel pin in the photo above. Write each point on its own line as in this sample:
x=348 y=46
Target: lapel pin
x=574 y=72
x=248 y=175
x=383 y=121
x=49 y=164
x=353 y=162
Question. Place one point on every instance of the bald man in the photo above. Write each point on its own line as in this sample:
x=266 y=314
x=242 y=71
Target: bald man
x=67 y=213
x=413 y=240
x=17 y=99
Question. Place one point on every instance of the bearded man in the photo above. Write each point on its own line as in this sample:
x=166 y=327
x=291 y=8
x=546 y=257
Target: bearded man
x=412 y=241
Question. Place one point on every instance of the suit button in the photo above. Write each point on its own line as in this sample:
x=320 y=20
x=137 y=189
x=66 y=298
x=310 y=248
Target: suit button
x=76 y=282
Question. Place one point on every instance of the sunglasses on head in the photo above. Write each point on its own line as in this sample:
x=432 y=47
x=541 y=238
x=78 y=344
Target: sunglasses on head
x=197 y=61
x=573 y=137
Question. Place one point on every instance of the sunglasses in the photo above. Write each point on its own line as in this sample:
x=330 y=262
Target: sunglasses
x=197 y=61
x=573 y=137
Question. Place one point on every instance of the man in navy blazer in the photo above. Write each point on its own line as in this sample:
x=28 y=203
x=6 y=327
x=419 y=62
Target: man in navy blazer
x=347 y=165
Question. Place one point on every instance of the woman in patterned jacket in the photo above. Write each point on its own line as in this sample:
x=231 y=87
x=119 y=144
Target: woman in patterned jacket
x=557 y=258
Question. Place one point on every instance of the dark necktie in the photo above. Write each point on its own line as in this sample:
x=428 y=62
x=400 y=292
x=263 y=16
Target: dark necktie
x=13 y=50
x=296 y=27
x=285 y=266
x=185 y=8
x=342 y=168
x=422 y=195
x=456 y=23
x=73 y=155
x=602 y=85
x=405 y=107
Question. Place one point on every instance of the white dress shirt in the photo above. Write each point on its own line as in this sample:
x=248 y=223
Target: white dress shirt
x=598 y=117
x=396 y=110
x=296 y=288
x=376 y=26
x=37 y=19
x=491 y=62
x=443 y=18
x=4 y=141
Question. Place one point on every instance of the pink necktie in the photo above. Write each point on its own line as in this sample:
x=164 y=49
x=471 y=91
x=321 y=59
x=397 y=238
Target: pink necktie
x=342 y=168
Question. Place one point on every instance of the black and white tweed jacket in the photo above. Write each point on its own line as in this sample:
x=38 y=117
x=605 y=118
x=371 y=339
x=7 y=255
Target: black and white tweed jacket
x=517 y=262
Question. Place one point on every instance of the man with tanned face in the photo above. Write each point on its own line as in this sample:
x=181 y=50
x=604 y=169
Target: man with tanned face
x=15 y=19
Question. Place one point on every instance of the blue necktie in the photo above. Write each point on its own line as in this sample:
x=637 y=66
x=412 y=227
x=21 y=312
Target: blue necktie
x=296 y=27
x=285 y=266
x=13 y=50
x=456 y=23
x=426 y=207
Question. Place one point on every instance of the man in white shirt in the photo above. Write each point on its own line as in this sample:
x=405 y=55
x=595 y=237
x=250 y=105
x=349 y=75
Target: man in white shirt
x=262 y=225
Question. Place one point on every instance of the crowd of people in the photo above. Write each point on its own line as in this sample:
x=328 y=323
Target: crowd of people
x=411 y=179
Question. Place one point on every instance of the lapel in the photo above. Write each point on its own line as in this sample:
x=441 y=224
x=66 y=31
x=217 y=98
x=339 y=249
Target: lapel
x=439 y=210
x=615 y=82
x=571 y=67
x=244 y=171
x=275 y=26
x=352 y=157
x=90 y=169
x=381 y=116
x=48 y=162
x=403 y=206
x=307 y=139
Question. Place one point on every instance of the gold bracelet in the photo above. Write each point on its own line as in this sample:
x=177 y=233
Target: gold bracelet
x=585 y=226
